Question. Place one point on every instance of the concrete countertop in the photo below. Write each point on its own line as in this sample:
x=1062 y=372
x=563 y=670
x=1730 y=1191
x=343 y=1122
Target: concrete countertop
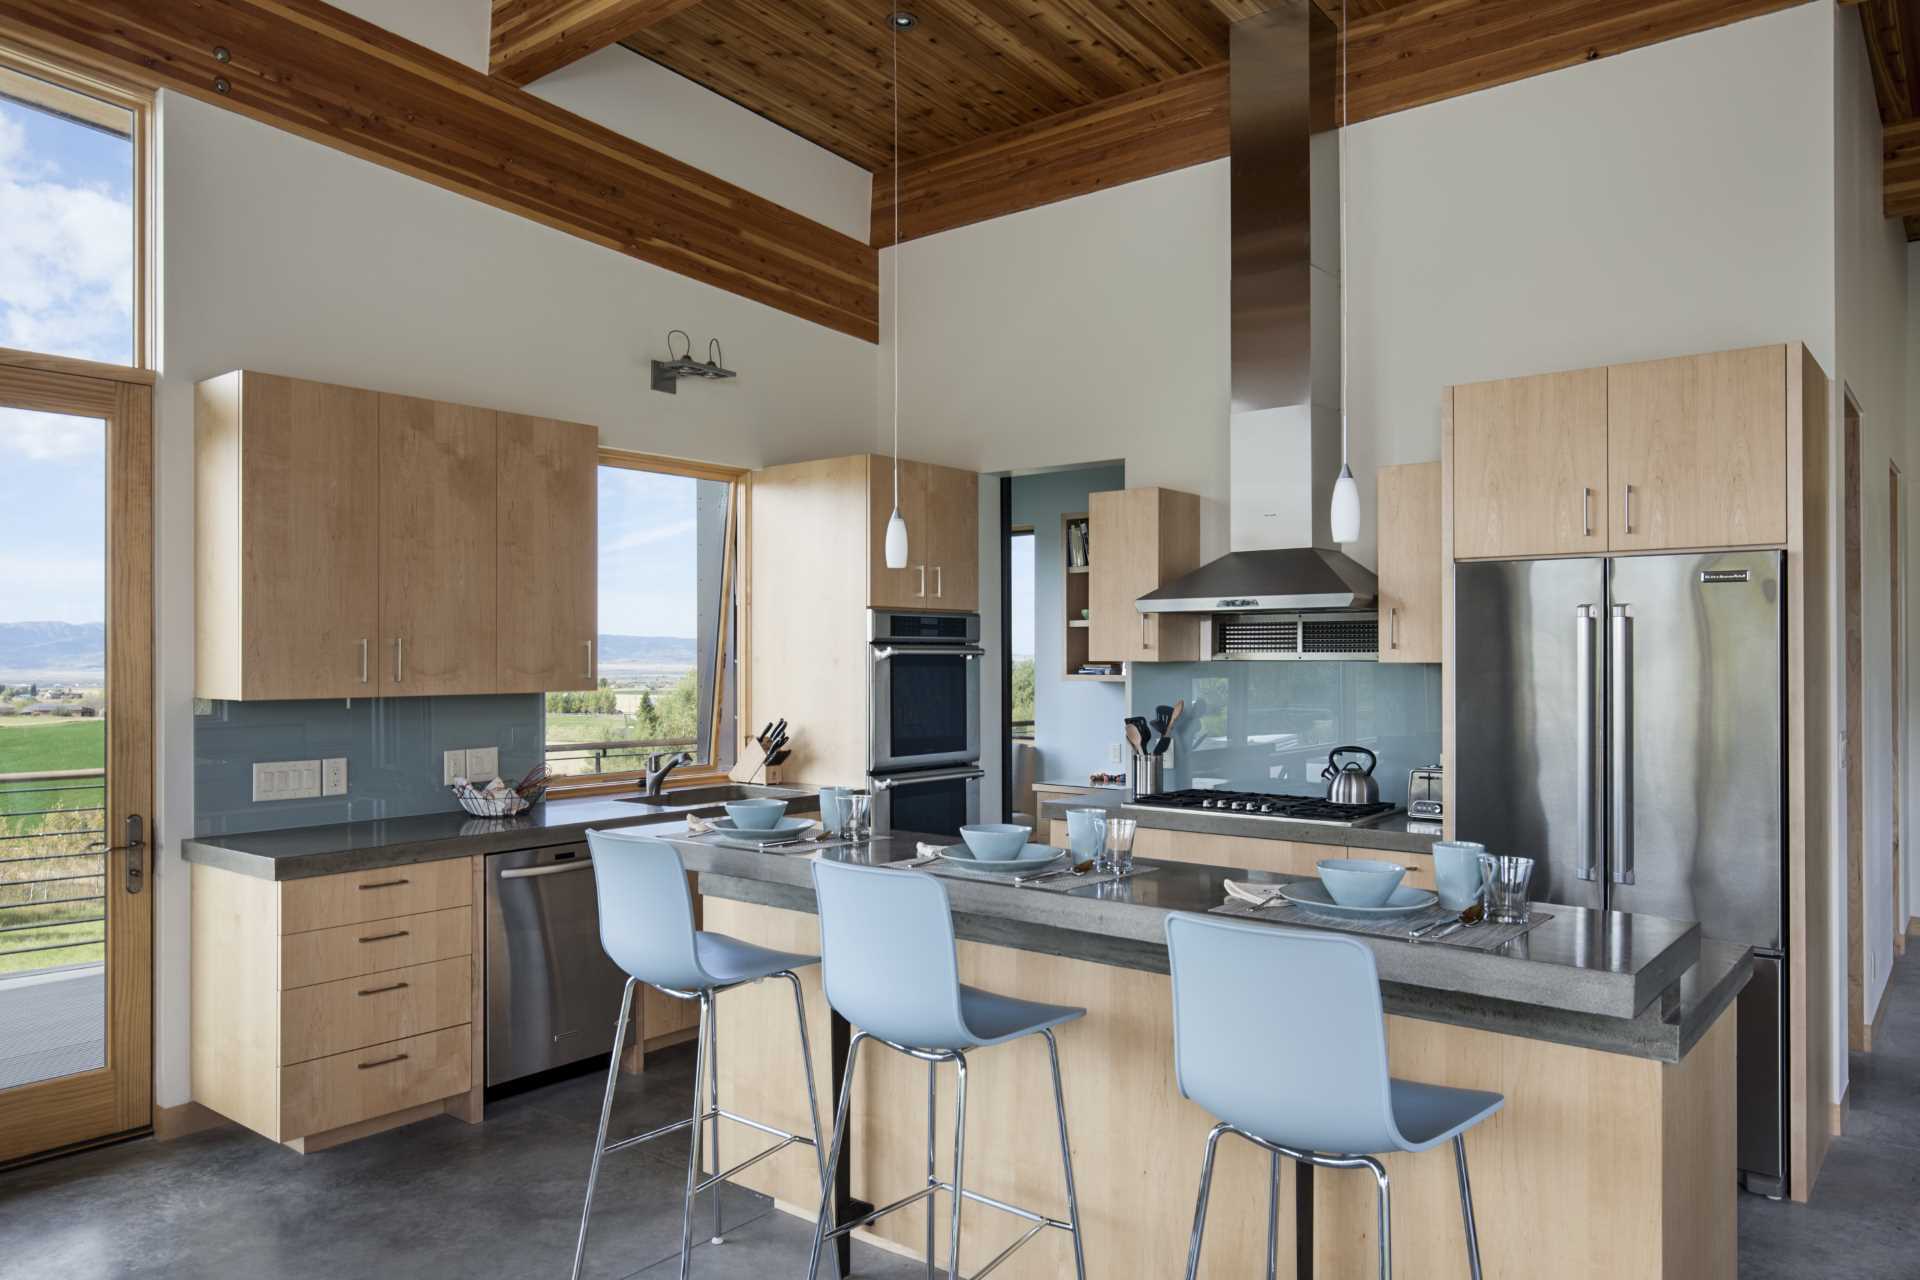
x=1390 y=835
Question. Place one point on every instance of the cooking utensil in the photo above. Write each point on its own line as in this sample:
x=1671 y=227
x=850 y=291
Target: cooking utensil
x=1134 y=738
x=1349 y=783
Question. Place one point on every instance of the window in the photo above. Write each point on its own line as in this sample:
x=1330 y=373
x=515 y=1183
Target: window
x=1020 y=631
x=666 y=645
x=72 y=242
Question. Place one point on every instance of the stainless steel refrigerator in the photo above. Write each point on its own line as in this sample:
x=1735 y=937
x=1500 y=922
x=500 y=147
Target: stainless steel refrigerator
x=1623 y=721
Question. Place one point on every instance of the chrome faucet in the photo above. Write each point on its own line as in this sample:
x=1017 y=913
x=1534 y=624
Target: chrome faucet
x=657 y=772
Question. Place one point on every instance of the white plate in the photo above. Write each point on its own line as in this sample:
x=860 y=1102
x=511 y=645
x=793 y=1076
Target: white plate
x=785 y=831
x=1313 y=896
x=1032 y=858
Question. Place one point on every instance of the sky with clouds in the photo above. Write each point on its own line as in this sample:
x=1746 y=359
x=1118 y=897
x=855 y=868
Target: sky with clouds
x=649 y=567
x=66 y=287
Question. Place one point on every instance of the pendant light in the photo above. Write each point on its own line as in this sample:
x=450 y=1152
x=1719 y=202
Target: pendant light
x=1344 y=519
x=896 y=523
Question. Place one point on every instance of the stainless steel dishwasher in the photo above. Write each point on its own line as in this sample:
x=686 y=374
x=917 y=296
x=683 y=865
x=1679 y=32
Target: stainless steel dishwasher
x=552 y=994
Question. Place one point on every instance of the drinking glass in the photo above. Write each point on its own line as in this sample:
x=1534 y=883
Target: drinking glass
x=856 y=808
x=1507 y=881
x=1117 y=855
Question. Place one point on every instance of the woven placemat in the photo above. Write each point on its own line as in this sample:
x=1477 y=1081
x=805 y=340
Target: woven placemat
x=1480 y=937
x=1059 y=884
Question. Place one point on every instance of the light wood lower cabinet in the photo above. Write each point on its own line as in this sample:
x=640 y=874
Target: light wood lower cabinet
x=335 y=1001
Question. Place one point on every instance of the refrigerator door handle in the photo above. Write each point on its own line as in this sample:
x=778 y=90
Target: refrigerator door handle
x=1586 y=734
x=1620 y=690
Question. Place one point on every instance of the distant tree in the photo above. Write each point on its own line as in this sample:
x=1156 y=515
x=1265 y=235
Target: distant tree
x=1023 y=694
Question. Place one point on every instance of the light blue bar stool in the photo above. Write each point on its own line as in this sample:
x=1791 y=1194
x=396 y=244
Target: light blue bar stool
x=646 y=928
x=890 y=970
x=1279 y=1033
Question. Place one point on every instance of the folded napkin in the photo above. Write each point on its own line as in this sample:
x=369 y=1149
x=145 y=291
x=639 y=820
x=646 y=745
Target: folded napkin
x=925 y=850
x=698 y=826
x=1258 y=895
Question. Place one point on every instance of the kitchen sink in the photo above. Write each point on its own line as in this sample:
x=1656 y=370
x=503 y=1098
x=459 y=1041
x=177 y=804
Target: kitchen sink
x=714 y=795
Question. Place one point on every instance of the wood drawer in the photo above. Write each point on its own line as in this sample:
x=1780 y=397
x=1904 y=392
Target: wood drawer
x=335 y=1017
x=349 y=951
x=326 y=901
x=375 y=1081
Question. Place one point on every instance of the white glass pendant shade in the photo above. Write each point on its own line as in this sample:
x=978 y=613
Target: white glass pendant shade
x=1345 y=516
x=897 y=540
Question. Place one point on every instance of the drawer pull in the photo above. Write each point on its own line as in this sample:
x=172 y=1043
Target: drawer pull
x=384 y=884
x=374 y=991
x=384 y=937
x=368 y=1066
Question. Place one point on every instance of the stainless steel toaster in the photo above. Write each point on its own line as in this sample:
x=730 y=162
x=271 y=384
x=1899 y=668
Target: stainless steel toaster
x=1426 y=792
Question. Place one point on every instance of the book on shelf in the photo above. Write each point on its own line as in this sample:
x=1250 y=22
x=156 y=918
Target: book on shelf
x=1076 y=546
x=1097 y=669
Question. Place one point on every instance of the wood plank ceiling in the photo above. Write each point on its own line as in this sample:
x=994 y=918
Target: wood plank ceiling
x=1891 y=28
x=1008 y=104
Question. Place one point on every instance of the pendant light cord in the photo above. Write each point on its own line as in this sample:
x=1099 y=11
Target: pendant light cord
x=1346 y=122
x=896 y=263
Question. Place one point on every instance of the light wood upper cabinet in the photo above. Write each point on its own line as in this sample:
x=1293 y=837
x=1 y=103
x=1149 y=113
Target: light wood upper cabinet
x=1697 y=451
x=438 y=464
x=548 y=586
x=1530 y=466
x=941 y=506
x=1411 y=562
x=1137 y=540
x=286 y=538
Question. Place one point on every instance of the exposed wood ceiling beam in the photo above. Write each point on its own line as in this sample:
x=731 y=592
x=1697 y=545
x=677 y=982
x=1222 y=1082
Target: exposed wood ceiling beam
x=1890 y=27
x=1402 y=54
x=313 y=70
x=1152 y=130
x=1901 y=193
x=532 y=38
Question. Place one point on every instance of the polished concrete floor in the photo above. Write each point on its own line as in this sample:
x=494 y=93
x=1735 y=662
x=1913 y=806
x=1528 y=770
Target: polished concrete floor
x=501 y=1200
x=1864 y=1220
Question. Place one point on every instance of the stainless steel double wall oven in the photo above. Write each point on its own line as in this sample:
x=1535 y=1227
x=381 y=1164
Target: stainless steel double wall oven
x=923 y=720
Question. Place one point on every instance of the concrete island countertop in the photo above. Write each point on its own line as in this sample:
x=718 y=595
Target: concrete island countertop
x=1390 y=835
x=1630 y=984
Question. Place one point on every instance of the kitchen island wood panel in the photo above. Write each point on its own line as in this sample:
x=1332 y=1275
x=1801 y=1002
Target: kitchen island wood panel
x=1291 y=857
x=1601 y=1165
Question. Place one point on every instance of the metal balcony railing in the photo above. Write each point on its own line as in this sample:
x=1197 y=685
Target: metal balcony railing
x=52 y=869
x=584 y=759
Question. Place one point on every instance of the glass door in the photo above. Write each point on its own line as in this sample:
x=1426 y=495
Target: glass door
x=76 y=756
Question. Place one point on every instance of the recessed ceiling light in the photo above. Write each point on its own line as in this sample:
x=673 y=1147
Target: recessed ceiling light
x=903 y=20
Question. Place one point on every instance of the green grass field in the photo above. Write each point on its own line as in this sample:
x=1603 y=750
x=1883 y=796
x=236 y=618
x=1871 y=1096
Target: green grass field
x=31 y=886
x=29 y=744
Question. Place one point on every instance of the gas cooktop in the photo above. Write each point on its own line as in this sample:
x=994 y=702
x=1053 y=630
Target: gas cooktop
x=1255 y=804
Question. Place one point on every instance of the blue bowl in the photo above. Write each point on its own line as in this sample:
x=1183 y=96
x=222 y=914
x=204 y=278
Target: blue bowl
x=756 y=815
x=996 y=841
x=1360 y=882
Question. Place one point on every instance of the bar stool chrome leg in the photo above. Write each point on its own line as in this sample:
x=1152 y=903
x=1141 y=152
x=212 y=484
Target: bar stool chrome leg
x=959 y=1157
x=693 y=1153
x=933 y=1177
x=1066 y=1158
x=1386 y=1216
x=1466 y=1205
x=1273 y=1219
x=813 y=1095
x=606 y=1114
x=825 y=1222
x=1200 y=1207
x=713 y=1106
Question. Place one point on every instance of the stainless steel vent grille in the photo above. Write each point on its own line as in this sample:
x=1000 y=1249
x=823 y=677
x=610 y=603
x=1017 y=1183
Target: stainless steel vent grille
x=1251 y=637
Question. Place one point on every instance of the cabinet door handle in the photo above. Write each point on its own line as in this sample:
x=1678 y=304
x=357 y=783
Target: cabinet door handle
x=922 y=592
x=384 y=884
x=1586 y=513
x=387 y=937
x=368 y=1066
x=939 y=582
x=1626 y=509
x=375 y=991
x=364 y=646
x=399 y=659
x=588 y=673
x=1393 y=627
x=1143 y=630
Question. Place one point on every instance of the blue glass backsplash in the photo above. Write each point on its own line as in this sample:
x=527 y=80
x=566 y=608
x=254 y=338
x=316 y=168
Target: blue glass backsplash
x=393 y=748
x=1268 y=726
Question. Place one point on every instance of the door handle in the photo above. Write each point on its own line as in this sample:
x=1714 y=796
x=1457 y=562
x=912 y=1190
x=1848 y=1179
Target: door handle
x=364 y=647
x=1585 y=733
x=922 y=592
x=919 y=779
x=1393 y=627
x=136 y=850
x=939 y=582
x=1622 y=743
x=886 y=651
x=1626 y=508
x=1143 y=630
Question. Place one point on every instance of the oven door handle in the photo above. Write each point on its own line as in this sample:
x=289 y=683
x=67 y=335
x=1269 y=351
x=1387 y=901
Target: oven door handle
x=883 y=652
x=950 y=775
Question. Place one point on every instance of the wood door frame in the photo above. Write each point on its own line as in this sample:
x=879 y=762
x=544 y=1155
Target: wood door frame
x=115 y=1099
x=1853 y=658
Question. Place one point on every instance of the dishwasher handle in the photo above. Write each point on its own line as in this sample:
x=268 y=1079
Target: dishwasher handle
x=558 y=868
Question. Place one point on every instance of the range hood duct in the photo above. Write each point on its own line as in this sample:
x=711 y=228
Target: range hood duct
x=1284 y=443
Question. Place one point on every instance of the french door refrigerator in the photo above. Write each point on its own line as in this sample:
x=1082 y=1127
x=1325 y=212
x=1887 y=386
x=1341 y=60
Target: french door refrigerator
x=1622 y=721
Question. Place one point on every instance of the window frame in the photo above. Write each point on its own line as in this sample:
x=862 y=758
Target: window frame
x=139 y=103
x=732 y=597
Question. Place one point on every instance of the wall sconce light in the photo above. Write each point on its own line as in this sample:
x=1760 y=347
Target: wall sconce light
x=667 y=373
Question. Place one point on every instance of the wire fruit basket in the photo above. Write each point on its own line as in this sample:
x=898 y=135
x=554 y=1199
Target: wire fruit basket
x=500 y=801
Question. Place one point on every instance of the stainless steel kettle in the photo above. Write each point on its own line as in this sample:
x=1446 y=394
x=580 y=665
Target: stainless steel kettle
x=1349 y=783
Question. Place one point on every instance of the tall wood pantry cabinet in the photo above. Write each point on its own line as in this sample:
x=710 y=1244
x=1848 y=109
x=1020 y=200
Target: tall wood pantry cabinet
x=351 y=543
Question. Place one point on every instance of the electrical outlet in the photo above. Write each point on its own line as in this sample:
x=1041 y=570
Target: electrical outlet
x=1114 y=755
x=333 y=776
x=453 y=765
x=286 y=780
x=483 y=765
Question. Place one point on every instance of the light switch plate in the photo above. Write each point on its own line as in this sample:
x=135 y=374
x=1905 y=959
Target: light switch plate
x=453 y=765
x=1113 y=753
x=483 y=765
x=333 y=776
x=286 y=780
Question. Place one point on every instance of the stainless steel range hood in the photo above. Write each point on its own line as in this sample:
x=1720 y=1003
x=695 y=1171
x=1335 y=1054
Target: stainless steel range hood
x=1284 y=444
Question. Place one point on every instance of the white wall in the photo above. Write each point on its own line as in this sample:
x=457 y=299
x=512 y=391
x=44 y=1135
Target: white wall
x=460 y=29
x=283 y=255
x=1872 y=328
